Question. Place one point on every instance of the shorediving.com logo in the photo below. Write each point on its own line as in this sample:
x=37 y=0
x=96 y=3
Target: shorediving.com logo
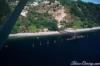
x=83 y=63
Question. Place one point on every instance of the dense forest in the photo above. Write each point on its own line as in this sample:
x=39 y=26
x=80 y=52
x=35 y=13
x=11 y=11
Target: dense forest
x=86 y=15
x=4 y=10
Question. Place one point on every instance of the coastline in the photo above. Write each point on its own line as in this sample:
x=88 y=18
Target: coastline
x=52 y=33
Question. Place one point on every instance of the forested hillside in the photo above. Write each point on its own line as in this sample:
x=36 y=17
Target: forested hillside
x=51 y=15
x=88 y=13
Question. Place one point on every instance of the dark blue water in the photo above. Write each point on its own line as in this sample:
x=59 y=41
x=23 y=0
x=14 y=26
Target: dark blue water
x=51 y=50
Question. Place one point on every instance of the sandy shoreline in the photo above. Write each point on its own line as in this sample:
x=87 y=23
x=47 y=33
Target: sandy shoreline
x=51 y=33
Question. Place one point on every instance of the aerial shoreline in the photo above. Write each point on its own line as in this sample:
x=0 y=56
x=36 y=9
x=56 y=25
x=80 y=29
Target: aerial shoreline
x=52 y=33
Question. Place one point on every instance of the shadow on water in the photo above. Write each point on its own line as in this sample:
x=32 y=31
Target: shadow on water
x=51 y=50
